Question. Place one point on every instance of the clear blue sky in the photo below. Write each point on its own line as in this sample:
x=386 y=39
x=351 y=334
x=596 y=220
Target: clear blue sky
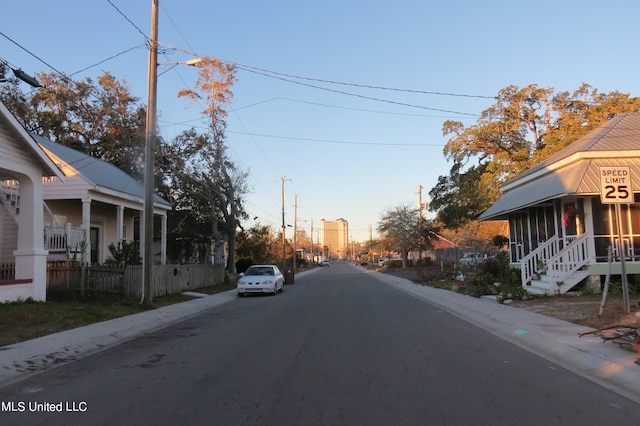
x=346 y=155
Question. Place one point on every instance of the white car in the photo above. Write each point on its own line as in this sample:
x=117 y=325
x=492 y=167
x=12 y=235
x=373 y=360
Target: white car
x=261 y=279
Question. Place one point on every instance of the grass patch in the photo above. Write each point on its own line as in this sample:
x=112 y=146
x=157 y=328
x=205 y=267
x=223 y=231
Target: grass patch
x=26 y=320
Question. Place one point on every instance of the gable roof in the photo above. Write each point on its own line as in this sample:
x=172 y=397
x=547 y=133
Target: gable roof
x=443 y=243
x=98 y=173
x=23 y=138
x=574 y=170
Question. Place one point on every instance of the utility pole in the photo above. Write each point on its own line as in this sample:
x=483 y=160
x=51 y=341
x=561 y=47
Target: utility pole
x=420 y=203
x=149 y=158
x=353 y=248
x=295 y=229
x=370 y=248
x=284 y=251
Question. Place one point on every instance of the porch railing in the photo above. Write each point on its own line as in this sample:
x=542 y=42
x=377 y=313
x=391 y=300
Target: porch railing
x=568 y=260
x=11 y=192
x=536 y=261
x=63 y=239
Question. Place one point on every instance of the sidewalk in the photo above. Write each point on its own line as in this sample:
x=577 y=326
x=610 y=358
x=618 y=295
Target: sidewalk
x=549 y=338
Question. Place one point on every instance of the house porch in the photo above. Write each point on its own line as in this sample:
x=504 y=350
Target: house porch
x=565 y=242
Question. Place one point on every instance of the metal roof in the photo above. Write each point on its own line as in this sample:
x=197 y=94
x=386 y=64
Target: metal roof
x=574 y=170
x=98 y=172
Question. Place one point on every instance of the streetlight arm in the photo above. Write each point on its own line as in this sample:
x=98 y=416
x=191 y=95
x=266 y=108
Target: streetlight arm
x=191 y=62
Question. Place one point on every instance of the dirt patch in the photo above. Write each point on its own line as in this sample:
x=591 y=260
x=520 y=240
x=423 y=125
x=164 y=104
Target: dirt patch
x=577 y=309
x=584 y=309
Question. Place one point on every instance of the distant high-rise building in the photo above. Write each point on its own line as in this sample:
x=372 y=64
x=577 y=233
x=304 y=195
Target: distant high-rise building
x=335 y=237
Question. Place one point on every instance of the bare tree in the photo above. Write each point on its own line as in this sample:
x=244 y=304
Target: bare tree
x=203 y=171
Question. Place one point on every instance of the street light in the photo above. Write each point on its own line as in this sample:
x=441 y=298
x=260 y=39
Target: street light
x=191 y=62
x=21 y=75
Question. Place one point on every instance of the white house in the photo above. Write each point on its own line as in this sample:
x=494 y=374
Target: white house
x=101 y=201
x=61 y=204
x=21 y=215
x=559 y=229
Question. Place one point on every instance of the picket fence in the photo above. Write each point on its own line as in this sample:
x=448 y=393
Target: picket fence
x=167 y=279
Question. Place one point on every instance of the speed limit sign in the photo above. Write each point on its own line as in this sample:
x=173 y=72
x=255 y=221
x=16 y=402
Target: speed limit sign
x=615 y=185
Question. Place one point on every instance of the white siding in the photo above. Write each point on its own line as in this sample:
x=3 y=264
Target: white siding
x=13 y=156
x=9 y=236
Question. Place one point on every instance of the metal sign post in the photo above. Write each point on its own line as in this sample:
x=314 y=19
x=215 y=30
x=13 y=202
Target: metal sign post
x=615 y=188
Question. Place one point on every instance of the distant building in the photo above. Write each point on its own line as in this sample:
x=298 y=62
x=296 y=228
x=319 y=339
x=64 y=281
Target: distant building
x=335 y=238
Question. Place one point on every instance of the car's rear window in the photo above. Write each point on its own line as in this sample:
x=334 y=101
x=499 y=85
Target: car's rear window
x=259 y=271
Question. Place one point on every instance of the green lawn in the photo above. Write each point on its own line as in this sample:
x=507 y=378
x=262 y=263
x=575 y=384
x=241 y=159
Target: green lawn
x=20 y=321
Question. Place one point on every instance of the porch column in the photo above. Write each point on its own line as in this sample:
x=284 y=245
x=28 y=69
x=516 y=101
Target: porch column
x=163 y=240
x=588 y=228
x=30 y=255
x=119 y=223
x=86 y=226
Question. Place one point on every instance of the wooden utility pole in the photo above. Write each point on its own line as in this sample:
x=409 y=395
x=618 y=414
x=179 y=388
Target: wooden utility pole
x=295 y=229
x=420 y=203
x=284 y=251
x=149 y=159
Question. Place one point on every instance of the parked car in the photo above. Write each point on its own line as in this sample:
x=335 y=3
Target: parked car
x=325 y=262
x=469 y=260
x=261 y=279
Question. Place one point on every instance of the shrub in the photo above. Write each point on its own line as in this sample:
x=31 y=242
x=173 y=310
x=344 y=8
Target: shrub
x=393 y=263
x=511 y=291
x=427 y=261
x=126 y=253
x=243 y=264
x=479 y=285
x=498 y=278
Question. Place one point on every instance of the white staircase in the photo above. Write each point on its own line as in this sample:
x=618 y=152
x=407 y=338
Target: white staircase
x=556 y=270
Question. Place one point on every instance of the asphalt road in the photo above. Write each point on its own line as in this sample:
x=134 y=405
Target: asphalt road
x=338 y=347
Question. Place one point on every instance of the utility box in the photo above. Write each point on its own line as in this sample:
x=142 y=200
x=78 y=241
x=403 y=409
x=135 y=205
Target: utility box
x=289 y=276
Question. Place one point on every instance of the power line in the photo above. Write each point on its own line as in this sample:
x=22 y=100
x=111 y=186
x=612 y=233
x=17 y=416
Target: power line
x=106 y=59
x=349 y=108
x=30 y=53
x=372 y=98
x=336 y=141
x=366 y=86
x=129 y=20
x=332 y=141
x=289 y=78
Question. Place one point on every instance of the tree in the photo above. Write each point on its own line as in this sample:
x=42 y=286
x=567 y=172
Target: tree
x=524 y=126
x=256 y=244
x=102 y=120
x=477 y=236
x=458 y=198
x=204 y=176
x=403 y=231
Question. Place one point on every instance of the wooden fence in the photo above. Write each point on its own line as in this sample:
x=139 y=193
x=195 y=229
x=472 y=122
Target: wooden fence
x=167 y=279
